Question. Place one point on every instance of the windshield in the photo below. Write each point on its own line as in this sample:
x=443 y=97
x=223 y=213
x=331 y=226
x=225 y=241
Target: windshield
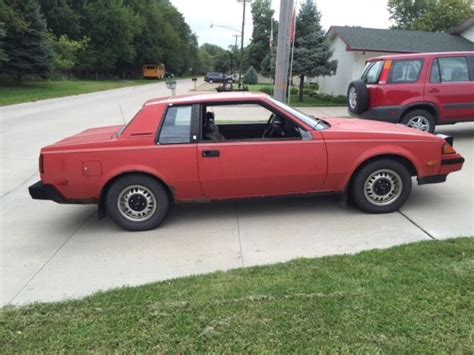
x=309 y=120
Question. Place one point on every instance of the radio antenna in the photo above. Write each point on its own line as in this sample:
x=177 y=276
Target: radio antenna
x=123 y=117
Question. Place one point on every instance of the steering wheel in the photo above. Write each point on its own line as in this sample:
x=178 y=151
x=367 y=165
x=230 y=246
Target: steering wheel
x=270 y=127
x=273 y=128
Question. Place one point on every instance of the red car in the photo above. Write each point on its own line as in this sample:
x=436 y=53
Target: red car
x=236 y=145
x=420 y=90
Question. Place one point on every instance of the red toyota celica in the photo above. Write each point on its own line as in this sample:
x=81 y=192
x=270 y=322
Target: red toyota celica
x=237 y=145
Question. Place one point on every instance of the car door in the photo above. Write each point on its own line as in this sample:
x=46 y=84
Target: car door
x=260 y=166
x=450 y=86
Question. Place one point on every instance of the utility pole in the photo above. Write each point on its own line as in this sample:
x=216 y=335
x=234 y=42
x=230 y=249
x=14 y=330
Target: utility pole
x=242 y=41
x=283 y=50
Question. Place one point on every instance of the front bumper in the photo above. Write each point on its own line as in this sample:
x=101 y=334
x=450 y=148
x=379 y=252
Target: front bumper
x=41 y=191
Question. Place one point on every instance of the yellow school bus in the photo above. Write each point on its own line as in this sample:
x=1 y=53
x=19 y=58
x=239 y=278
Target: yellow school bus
x=154 y=71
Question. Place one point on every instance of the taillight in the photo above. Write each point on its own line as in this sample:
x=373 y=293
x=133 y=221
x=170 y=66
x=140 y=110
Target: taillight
x=41 y=164
x=447 y=149
x=386 y=70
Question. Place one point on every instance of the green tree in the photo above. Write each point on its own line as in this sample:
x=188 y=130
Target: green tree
x=66 y=52
x=222 y=61
x=26 y=43
x=62 y=18
x=111 y=28
x=214 y=58
x=250 y=76
x=3 y=55
x=259 y=46
x=268 y=64
x=312 y=54
x=429 y=15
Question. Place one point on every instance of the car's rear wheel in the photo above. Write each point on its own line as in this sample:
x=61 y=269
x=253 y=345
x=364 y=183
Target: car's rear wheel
x=357 y=97
x=137 y=202
x=419 y=119
x=211 y=81
x=381 y=186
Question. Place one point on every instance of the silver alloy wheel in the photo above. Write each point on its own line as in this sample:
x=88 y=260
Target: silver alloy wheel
x=383 y=187
x=419 y=122
x=353 y=98
x=136 y=203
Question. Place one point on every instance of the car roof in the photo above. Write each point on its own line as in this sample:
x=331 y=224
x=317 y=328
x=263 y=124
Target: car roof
x=214 y=97
x=420 y=55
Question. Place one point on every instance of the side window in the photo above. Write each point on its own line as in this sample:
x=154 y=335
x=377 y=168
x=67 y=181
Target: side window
x=372 y=73
x=471 y=63
x=177 y=126
x=405 y=71
x=246 y=121
x=453 y=69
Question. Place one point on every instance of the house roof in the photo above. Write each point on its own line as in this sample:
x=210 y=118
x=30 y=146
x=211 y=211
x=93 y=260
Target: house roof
x=463 y=26
x=399 y=41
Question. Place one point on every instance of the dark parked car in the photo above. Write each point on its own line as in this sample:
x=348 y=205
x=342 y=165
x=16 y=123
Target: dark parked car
x=419 y=90
x=218 y=78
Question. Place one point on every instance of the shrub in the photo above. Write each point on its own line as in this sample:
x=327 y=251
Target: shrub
x=250 y=77
x=294 y=91
x=266 y=89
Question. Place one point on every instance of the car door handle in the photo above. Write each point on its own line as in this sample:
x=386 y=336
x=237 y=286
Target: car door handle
x=211 y=154
x=432 y=91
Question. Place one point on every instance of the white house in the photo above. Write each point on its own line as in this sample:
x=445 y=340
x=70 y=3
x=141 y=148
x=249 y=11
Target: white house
x=352 y=46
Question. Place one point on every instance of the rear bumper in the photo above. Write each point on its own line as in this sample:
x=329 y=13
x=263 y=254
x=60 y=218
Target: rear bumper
x=41 y=191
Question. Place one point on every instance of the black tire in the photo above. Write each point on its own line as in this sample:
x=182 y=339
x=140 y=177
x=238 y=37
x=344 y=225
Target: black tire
x=361 y=102
x=142 y=190
x=368 y=194
x=424 y=118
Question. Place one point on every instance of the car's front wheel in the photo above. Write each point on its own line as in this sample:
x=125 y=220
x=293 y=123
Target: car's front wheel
x=137 y=202
x=381 y=186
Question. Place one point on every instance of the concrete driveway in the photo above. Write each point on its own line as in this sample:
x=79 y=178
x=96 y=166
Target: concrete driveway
x=51 y=252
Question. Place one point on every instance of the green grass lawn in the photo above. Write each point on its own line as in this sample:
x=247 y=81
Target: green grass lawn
x=417 y=298
x=33 y=91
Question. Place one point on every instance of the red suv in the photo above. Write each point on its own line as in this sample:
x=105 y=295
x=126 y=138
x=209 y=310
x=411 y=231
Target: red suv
x=420 y=90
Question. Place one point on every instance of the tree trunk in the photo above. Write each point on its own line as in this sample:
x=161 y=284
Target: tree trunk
x=301 y=97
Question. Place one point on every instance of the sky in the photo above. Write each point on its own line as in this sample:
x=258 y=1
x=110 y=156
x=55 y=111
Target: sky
x=200 y=14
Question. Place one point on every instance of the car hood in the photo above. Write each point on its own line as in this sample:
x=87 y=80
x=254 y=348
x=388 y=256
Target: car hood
x=368 y=127
x=91 y=135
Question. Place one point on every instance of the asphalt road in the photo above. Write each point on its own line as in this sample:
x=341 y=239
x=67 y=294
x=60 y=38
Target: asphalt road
x=51 y=252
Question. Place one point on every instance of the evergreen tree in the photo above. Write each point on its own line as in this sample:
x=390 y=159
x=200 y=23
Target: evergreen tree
x=250 y=76
x=3 y=55
x=259 y=47
x=312 y=54
x=26 y=43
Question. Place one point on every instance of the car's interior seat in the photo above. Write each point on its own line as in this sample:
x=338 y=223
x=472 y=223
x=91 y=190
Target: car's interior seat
x=211 y=130
x=459 y=75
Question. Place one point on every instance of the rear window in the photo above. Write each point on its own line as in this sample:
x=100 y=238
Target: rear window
x=372 y=72
x=151 y=67
x=405 y=71
x=449 y=70
x=177 y=126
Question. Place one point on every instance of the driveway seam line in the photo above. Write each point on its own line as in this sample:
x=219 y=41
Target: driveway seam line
x=83 y=222
x=238 y=232
x=417 y=225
